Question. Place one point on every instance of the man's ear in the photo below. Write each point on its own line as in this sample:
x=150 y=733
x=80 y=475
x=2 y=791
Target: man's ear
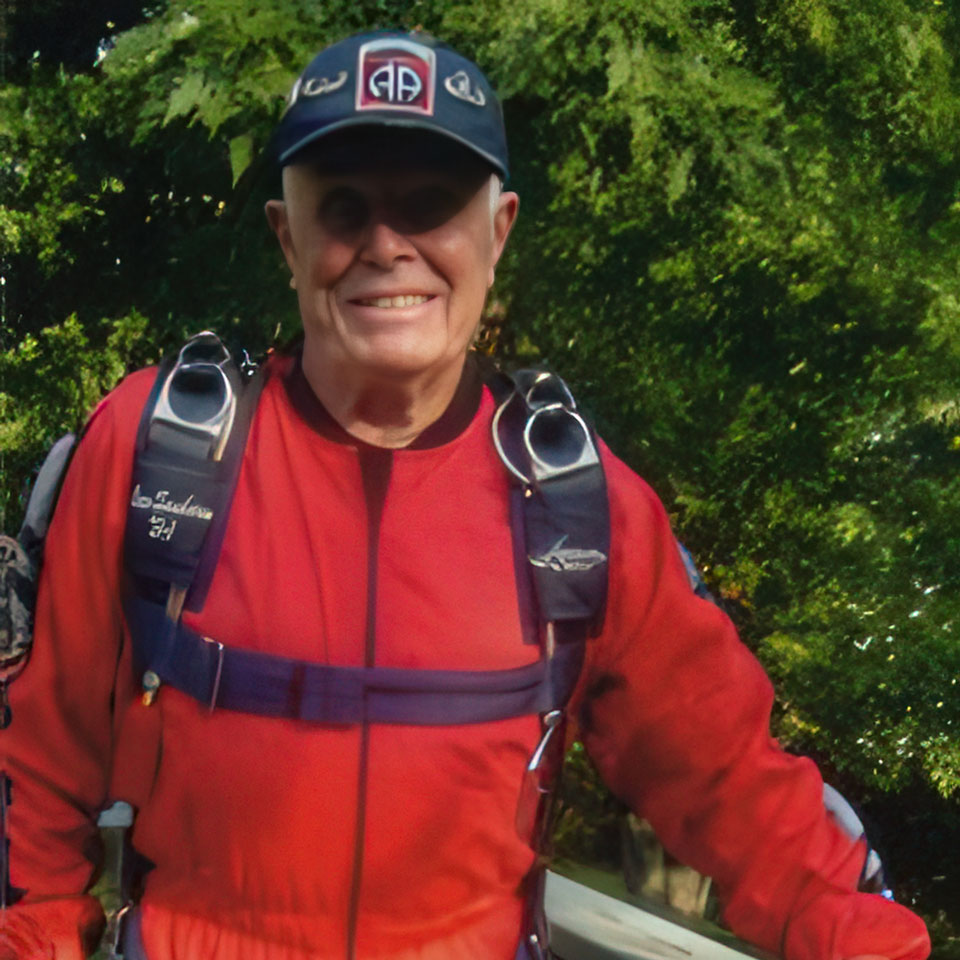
x=503 y=219
x=276 y=211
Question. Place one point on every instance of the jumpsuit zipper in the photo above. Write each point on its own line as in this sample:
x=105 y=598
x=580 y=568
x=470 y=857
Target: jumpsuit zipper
x=375 y=467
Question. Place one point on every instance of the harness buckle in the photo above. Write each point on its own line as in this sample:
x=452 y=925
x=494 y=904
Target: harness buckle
x=540 y=779
x=198 y=398
x=219 y=673
x=556 y=439
x=115 y=933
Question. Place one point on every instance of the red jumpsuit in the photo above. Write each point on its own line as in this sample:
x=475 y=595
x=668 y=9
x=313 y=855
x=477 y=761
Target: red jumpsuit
x=276 y=839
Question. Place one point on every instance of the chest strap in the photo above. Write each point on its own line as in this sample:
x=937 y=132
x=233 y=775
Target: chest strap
x=229 y=678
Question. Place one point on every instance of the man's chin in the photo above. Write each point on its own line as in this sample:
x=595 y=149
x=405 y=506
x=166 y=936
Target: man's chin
x=404 y=363
x=385 y=359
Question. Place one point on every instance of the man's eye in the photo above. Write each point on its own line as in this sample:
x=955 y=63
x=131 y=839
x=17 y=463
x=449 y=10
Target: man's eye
x=344 y=211
x=426 y=208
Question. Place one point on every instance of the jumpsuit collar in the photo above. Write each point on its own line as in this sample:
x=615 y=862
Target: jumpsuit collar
x=452 y=422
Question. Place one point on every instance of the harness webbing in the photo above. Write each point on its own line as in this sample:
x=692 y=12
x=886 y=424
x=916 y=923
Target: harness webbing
x=569 y=596
x=231 y=678
x=560 y=522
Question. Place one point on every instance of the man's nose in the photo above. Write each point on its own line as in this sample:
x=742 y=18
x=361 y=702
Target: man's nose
x=383 y=245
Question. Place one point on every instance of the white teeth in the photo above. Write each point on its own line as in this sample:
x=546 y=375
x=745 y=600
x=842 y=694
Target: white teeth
x=406 y=301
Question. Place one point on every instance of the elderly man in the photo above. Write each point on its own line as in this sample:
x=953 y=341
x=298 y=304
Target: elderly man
x=287 y=806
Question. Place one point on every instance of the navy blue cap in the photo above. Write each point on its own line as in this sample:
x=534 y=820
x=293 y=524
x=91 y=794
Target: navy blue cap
x=393 y=79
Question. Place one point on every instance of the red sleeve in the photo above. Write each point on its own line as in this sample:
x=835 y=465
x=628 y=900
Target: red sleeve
x=57 y=750
x=675 y=712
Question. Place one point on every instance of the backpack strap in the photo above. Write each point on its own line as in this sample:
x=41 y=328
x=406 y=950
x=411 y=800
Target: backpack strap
x=551 y=453
x=190 y=445
x=20 y=562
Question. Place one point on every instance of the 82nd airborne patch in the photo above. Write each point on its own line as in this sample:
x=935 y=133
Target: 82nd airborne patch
x=394 y=74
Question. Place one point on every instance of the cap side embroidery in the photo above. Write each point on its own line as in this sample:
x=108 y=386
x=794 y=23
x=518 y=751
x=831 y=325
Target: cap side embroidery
x=458 y=85
x=316 y=86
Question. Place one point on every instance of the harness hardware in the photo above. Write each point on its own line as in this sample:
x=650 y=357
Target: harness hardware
x=219 y=673
x=539 y=776
x=554 y=450
x=556 y=439
x=197 y=397
x=535 y=947
x=151 y=687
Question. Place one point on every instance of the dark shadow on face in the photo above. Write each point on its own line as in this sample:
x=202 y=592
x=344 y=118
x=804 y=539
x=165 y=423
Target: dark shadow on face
x=430 y=177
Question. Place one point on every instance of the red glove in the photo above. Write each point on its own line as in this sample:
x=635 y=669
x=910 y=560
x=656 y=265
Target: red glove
x=63 y=929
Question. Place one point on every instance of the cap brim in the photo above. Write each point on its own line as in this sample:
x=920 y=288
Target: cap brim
x=411 y=123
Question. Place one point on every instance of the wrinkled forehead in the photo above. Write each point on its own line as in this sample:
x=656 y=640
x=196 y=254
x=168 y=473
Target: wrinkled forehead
x=393 y=151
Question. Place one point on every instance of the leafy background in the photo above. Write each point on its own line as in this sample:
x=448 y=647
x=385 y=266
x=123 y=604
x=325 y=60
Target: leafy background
x=739 y=241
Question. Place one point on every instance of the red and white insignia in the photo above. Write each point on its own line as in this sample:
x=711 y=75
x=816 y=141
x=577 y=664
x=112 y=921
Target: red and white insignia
x=396 y=75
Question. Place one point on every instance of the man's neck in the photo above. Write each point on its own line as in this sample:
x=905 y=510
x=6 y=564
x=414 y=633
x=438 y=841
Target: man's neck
x=386 y=412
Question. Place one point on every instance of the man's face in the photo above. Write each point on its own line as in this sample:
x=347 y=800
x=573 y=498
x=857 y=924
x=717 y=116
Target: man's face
x=392 y=249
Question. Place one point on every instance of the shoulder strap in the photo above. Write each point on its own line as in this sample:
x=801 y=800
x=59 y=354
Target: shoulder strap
x=43 y=498
x=560 y=491
x=187 y=460
x=551 y=452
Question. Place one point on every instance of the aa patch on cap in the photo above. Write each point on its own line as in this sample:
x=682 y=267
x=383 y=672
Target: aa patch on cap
x=395 y=74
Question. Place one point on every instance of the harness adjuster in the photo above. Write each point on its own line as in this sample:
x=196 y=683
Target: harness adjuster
x=197 y=397
x=556 y=440
x=215 y=692
x=540 y=778
x=150 y=686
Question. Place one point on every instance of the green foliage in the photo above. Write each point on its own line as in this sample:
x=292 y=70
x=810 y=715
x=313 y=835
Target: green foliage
x=588 y=823
x=737 y=240
x=51 y=380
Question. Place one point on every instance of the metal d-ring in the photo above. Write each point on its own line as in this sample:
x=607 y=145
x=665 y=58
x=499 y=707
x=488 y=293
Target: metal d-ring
x=563 y=396
x=203 y=347
x=507 y=462
x=203 y=358
x=543 y=469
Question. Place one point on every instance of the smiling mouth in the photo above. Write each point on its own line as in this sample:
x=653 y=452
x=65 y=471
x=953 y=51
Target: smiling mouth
x=410 y=300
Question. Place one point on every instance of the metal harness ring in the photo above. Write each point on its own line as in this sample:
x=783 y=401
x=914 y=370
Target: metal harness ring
x=540 y=412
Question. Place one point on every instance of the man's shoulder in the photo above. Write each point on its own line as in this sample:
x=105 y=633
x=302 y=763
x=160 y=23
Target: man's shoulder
x=123 y=405
x=627 y=489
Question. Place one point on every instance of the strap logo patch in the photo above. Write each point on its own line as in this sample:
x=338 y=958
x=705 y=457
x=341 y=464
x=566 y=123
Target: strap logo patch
x=396 y=75
x=164 y=511
x=564 y=559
